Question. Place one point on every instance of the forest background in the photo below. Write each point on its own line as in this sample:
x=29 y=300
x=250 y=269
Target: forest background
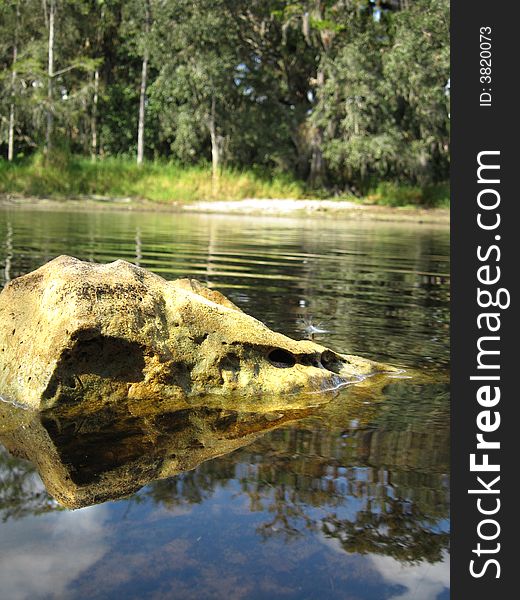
x=178 y=100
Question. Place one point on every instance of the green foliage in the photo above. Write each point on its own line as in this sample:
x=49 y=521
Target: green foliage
x=341 y=94
x=384 y=104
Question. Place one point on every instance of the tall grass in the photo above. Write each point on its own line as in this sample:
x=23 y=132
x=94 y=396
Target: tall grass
x=72 y=176
x=157 y=181
x=401 y=195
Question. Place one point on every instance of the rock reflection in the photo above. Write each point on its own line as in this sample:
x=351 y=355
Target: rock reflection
x=112 y=452
x=368 y=469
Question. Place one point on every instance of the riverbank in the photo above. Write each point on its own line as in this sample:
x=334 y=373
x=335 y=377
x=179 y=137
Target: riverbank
x=252 y=206
x=169 y=183
x=322 y=208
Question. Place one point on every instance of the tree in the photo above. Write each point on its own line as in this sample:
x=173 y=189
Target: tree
x=385 y=99
x=343 y=94
x=137 y=24
x=50 y=13
x=40 y=96
x=276 y=68
x=197 y=88
x=416 y=68
x=10 y=151
x=144 y=74
x=17 y=30
x=315 y=19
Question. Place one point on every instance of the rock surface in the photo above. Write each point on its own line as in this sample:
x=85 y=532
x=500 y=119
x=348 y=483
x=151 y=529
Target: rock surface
x=73 y=332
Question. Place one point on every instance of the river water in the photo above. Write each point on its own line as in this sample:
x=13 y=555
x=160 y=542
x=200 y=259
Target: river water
x=347 y=501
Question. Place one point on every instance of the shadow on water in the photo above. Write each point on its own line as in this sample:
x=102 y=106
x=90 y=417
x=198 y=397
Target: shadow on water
x=344 y=498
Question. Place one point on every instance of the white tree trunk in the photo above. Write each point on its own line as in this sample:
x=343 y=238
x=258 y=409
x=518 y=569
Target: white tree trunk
x=93 y=122
x=142 y=97
x=10 y=133
x=50 y=75
x=317 y=171
x=142 y=102
x=215 y=150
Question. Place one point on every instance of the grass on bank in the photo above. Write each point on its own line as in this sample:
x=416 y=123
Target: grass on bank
x=398 y=195
x=156 y=181
x=69 y=177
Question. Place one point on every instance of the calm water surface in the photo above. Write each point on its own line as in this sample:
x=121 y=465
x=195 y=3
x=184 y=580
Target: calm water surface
x=347 y=501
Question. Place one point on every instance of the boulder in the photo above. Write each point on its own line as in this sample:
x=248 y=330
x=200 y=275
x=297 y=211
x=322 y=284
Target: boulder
x=75 y=332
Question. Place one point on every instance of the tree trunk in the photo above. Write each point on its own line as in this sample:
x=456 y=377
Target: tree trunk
x=142 y=97
x=215 y=150
x=142 y=101
x=317 y=170
x=93 y=121
x=10 y=133
x=50 y=76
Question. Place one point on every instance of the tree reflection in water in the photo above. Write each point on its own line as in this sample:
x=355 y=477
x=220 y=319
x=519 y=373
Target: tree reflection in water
x=21 y=490
x=372 y=476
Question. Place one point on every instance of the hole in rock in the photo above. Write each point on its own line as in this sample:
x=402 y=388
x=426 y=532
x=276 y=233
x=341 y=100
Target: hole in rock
x=331 y=362
x=311 y=360
x=281 y=358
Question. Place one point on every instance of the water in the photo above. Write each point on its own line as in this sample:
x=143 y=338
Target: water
x=346 y=501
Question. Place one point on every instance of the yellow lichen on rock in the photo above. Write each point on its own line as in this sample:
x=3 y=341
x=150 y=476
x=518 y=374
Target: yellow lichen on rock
x=74 y=332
